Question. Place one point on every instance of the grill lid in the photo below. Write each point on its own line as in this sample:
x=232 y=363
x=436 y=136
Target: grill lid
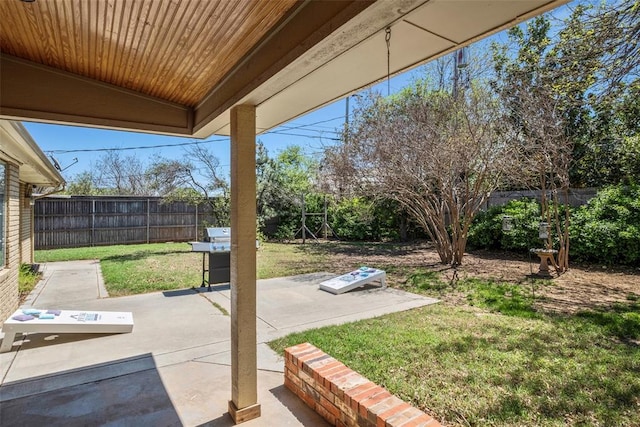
x=217 y=234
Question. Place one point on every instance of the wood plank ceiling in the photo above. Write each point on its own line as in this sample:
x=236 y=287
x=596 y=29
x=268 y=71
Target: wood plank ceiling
x=170 y=49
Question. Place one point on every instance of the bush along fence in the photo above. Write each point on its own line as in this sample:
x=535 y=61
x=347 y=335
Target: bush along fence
x=606 y=230
x=81 y=221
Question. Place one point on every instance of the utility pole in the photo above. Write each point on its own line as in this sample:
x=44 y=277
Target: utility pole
x=346 y=113
x=459 y=62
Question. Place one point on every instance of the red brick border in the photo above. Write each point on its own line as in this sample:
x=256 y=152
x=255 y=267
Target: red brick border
x=342 y=396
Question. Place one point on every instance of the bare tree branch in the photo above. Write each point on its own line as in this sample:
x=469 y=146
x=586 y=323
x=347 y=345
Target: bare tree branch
x=437 y=156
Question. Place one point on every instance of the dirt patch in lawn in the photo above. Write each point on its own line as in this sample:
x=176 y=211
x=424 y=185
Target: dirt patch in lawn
x=583 y=287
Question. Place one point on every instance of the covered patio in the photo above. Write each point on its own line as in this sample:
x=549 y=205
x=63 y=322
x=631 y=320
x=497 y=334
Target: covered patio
x=237 y=68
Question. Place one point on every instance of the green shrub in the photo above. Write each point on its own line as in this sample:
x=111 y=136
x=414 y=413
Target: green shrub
x=486 y=230
x=607 y=229
x=353 y=219
x=360 y=218
x=285 y=231
x=28 y=277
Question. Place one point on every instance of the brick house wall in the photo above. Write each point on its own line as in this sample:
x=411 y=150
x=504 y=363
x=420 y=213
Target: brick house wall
x=9 y=296
x=24 y=165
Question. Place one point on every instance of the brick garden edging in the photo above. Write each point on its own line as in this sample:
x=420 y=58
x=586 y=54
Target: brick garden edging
x=342 y=396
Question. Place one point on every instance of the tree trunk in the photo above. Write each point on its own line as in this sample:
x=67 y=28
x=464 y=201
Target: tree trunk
x=403 y=227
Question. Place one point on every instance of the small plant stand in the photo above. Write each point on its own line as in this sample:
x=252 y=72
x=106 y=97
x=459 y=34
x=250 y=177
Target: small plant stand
x=547 y=256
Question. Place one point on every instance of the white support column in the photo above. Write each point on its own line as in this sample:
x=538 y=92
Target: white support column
x=243 y=405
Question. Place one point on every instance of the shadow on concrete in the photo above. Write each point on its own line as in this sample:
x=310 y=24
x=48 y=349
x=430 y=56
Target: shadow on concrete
x=36 y=340
x=311 y=278
x=123 y=392
x=198 y=290
x=222 y=421
x=181 y=292
x=366 y=287
x=219 y=287
x=296 y=406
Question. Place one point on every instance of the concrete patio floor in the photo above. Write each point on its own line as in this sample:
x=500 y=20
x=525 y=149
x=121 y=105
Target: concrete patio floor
x=173 y=369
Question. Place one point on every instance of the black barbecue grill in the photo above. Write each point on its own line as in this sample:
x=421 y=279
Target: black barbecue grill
x=217 y=243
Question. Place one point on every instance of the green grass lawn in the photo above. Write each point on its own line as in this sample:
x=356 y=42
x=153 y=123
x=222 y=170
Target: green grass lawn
x=135 y=269
x=485 y=357
x=489 y=357
x=471 y=366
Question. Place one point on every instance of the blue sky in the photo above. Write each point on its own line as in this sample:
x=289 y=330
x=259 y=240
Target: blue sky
x=67 y=143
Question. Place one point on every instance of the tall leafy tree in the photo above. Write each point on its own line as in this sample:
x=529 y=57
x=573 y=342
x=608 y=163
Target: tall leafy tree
x=565 y=88
x=82 y=184
x=283 y=181
x=544 y=122
x=588 y=64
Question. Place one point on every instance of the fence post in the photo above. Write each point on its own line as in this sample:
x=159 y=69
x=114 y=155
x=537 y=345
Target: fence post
x=148 y=219
x=196 y=230
x=93 y=221
x=304 y=217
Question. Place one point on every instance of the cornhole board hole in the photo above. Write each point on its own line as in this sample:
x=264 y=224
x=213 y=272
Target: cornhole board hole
x=355 y=279
x=66 y=322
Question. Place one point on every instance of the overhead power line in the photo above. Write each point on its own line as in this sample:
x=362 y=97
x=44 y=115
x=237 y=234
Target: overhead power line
x=304 y=136
x=184 y=144
x=143 y=147
x=312 y=124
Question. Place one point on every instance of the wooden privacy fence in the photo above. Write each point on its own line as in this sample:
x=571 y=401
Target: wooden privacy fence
x=80 y=221
x=577 y=196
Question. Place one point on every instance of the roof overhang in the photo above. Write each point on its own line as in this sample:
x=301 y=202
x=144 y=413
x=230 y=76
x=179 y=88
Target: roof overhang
x=17 y=146
x=312 y=53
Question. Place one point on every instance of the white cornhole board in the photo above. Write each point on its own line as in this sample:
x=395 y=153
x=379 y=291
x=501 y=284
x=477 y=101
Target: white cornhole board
x=353 y=280
x=69 y=321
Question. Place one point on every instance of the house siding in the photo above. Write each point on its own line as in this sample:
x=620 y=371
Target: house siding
x=9 y=294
